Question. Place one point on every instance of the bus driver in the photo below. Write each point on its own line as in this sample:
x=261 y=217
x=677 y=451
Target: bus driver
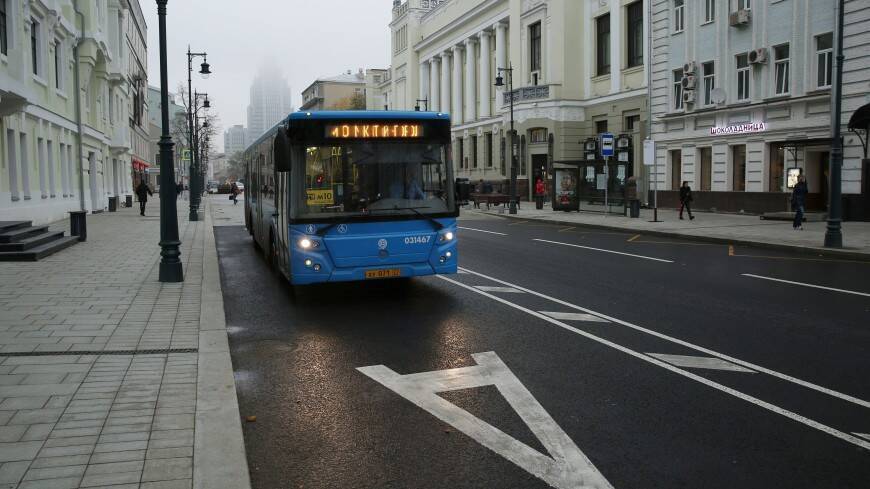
x=409 y=188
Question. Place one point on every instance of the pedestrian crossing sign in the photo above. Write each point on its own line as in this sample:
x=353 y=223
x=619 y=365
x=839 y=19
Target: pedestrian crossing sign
x=185 y=155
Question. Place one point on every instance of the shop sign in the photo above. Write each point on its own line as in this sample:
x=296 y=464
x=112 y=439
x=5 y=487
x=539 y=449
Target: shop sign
x=747 y=128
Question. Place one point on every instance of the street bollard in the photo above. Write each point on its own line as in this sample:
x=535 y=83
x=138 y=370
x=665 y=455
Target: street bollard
x=113 y=204
x=128 y=200
x=78 y=225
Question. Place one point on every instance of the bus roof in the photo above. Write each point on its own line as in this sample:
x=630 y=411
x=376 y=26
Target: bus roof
x=367 y=114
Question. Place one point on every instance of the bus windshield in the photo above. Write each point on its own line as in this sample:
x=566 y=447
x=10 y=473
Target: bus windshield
x=375 y=178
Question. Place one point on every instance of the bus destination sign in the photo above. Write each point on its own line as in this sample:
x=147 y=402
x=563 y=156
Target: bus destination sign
x=374 y=131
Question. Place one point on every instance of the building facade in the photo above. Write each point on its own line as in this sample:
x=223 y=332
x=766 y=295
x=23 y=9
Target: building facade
x=741 y=101
x=177 y=115
x=340 y=92
x=53 y=157
x=270 y=102
x=579 y=69
x=235 y=139
x=377 y=89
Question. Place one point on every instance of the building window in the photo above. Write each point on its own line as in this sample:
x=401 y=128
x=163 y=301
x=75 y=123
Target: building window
x=34 y=46
x=602 y=45
x=706 y=157
x=634 y=34
x=781 y=75
x=535 y=46
x=4 y=37
x=601 y=127
x=58 y=66
x=463 y=160
x=632 y=122
x=738 y=167
x=676 y=168
x=538 y=135
x=709 y=81
x=709 y=11
x=824 y=53
x=679 y=15
x=678 y=89
x=473 y=151
x=487 y=141
x=743 y=76
x=742 y=4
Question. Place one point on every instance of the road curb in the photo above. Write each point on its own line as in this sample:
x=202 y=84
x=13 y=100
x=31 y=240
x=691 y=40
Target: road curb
x=219 y=458
x=805 y=250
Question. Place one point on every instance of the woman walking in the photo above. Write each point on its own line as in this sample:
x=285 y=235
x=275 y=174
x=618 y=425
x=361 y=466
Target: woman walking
x=142 y=192
x=799 y=201
x=686 y=199
x=234 y=191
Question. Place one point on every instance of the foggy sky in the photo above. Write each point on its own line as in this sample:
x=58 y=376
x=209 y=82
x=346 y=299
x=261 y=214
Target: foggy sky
x=305 y=39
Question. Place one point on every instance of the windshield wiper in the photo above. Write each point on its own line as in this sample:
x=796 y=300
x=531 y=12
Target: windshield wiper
x=437 y=225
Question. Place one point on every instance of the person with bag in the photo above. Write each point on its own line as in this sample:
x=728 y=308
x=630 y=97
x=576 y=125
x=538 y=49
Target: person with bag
x=142 y=193
x=234 y=193
x=799 y=202
x=686 y=200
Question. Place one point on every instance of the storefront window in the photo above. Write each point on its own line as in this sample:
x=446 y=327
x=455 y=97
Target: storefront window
x=706 y=157
x=738 y=167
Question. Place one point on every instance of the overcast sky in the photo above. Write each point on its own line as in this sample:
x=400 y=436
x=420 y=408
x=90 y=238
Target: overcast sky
x=305 y=39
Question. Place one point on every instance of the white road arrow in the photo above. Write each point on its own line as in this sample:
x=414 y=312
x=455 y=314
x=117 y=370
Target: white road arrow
x=565 y=468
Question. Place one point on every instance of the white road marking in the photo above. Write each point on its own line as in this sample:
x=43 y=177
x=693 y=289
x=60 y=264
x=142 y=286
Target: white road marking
x=723 y=388
x=805 y=285
x=709 y=363
x=573 y=316
x=566 y=467
x=749 y=365
x=490 y=288
x=462 y=272
x=482 y=231
x=863 y=435
x=602 y=250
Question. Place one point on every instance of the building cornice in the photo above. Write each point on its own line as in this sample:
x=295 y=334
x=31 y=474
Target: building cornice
x=443 y=32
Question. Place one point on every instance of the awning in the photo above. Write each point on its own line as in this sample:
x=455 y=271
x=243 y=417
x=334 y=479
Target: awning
x=139 y=164
x=860 y=118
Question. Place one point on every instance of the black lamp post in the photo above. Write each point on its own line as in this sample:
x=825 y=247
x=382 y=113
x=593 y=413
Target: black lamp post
x=499 y=82
x=833 y=232
x=425 y=104
x=194 y=164
x=170 y=256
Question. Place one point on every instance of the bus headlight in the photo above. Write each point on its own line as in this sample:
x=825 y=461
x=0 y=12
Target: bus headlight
x=446 y=236
x=307 y=244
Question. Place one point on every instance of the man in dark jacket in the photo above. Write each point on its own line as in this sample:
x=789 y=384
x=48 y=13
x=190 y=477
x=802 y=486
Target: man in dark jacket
x=799 y=201
x=142 y=192
x=686 y=199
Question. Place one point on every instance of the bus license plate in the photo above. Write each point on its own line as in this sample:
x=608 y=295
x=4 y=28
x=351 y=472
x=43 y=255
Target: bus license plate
x=386 y=273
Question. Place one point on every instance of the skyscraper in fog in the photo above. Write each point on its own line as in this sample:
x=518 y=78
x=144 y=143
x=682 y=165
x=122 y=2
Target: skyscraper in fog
x=270 y=102
x=235 y=139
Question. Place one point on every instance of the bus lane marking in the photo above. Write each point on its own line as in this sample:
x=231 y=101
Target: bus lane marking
x=685 y=373
x=573 y=316
x=749 y=365
x=603 y=250
x=566 y=467
x=481 y=230
x=844 y=291
x=709 y=363
x=491 y=288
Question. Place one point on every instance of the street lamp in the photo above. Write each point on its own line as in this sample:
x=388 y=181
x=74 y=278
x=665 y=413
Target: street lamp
x=197 y=184
x=170 y=256
x=425 y=104
x=204 y=71
x=499 y=82
x=833 y=231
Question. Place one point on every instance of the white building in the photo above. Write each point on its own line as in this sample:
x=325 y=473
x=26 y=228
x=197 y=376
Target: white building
x=742 y=99
x=270 y=102
x=235 y=139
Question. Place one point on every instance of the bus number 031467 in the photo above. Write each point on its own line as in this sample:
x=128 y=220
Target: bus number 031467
x=417 y=239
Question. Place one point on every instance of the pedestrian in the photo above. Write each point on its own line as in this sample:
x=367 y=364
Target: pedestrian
x=142 y=192
x=686 y=199
x=179 y=188
x=540 y=190
x=799 y=201
x=234 y=193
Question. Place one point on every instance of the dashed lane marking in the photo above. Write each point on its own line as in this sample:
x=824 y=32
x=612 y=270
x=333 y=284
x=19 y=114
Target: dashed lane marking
x=490 y=288
x=517 y=223
x=633 y=238
x=574 y=316
x=566 y=467
x=566 y=229
x=757 y=368
x=863 y=435
x=832 y=289
x=603 y=250
x=709 y=363
x=655 y=361
x=482 y=231
x=794 y=258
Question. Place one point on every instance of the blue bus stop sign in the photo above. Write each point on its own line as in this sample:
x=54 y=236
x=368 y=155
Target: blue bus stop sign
x=606 y=144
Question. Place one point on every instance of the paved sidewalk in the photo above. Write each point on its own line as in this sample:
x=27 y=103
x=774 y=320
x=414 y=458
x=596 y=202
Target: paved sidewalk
x=109 y=378
x=724 y=228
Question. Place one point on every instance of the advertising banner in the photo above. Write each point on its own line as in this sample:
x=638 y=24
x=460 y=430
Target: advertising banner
x=565 y=189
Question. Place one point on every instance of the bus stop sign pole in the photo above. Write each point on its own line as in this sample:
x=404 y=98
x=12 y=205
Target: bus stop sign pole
x=606 y=153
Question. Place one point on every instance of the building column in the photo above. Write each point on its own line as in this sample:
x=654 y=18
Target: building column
x=485 y=81
x=470 y=88
x=424 y=81
x=457 y=85
x=500 y=59
x=445 y=82
x=434 y=84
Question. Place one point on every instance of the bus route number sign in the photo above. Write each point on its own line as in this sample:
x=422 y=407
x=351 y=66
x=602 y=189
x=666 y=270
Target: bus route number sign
x=319 y=197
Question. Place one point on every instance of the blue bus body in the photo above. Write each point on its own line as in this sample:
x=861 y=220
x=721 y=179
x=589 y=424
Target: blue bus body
x=315 y=222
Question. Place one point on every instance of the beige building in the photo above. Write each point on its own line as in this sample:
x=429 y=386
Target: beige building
x=378 y=89
x=579 y=69
x=340 y=92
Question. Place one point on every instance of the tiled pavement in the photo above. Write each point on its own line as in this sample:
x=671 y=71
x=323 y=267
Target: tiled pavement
x=77 y=407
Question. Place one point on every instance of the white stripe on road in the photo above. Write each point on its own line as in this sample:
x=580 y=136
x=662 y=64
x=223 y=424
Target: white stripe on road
x=573 y=316
x=481 y=231
x=863 y=435
x=757 y=368
x=805 y=285
x=490 y=288
x=655 y=361
x=709 y=363
x=603 y=250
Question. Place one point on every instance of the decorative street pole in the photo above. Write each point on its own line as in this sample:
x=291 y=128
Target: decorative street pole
x=833 y=233
x=193 y=183
x=170 y=255
x=425 y=104
x=499 y=82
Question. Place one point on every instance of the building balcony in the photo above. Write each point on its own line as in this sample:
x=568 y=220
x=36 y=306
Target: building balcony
x=534 y=93
x=312 y=102
x=120 y=141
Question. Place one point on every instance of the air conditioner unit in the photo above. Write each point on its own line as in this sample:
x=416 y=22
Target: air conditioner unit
x=689 y=97
x=757 y=56
x=688 y=82
x=690 y=68
x=741 y=17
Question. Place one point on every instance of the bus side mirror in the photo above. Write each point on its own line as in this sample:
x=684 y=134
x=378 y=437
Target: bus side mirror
x=281 y=152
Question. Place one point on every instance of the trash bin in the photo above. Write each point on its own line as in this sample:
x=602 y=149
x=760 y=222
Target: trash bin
x=113 y=204
x=128 y=201
x=78 y=225
x=634 y=208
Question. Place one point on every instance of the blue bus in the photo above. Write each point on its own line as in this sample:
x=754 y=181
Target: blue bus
x=353 y=195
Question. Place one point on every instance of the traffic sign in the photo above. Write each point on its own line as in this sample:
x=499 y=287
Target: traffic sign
x=606 y=144
x=185 y=155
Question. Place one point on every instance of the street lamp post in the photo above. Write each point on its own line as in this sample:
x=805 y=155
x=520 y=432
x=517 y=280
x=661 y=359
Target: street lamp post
x=204 y=71
x=196 y=154
x=833 y=232
x=170 y=255
x=425 y=104
x=499 y=82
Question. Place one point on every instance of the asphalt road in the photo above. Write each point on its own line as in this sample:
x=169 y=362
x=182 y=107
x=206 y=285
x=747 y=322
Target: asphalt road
x=769 y=389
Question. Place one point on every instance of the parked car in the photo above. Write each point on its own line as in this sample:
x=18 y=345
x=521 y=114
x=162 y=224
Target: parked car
x=241 y=186
x=212 y=188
